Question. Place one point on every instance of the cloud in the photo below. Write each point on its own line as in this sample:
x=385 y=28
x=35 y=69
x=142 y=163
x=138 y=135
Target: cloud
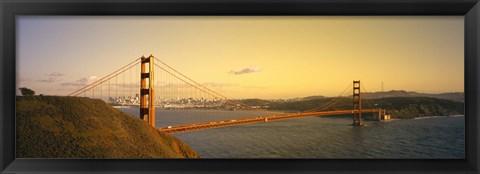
x=81 y=82
x=87 y=80
x=53 y=77
x=49 y=80
x=246 y=70
x=25 y=80
x=217 y=85
x=71 y=84
x=55 y=74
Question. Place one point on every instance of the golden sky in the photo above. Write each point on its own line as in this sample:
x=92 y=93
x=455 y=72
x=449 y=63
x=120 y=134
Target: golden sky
x=250 y=57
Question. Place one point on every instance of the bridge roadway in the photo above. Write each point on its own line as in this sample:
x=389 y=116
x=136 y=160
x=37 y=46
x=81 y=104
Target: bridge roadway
x=209 y=125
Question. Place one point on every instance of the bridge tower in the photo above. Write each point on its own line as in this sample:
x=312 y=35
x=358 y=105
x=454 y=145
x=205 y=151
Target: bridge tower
x=357 y=104
x=147 y=97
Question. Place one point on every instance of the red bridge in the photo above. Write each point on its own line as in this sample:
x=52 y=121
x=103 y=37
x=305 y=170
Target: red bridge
x=209 y=125
x=177 y=90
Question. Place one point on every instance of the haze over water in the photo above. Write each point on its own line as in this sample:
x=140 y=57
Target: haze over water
x=317 y=137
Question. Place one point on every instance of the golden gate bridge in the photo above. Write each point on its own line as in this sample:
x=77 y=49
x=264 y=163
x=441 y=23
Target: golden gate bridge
x=146 y=84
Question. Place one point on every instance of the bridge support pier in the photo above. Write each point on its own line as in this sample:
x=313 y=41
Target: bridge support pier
x=357 y=104
x=147 y=112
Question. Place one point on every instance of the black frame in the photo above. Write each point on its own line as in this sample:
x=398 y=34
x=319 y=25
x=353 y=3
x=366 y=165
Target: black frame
x=9 y=9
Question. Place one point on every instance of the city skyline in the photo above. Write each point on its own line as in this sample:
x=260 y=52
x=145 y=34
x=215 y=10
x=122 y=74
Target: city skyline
x=248 y=57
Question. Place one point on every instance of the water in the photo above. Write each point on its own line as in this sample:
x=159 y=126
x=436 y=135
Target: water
x=317 y=137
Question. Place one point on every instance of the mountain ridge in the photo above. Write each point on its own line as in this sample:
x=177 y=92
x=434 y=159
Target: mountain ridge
x=454 y=96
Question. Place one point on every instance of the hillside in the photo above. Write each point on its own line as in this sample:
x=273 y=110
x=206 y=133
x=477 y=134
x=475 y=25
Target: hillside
x=409 y=107
x=398 y=107
x=313 y=97
x=454 y=96
x=254 y=102
x=77 y=127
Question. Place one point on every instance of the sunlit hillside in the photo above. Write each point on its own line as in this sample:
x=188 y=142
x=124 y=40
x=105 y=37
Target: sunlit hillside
x=74 y=127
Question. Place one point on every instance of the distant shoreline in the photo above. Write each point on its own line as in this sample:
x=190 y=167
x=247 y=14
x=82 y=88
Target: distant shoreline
x=427 y=117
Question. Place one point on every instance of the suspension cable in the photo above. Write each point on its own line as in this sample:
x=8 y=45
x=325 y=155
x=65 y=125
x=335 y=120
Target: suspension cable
x=334 y=100
x=100 y=80
x=96 y=83
x=207 y=92
x=222 y=96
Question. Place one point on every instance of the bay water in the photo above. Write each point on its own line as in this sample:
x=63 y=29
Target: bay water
x=316 y=137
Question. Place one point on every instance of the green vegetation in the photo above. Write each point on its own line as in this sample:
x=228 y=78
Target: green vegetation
x=411 y=107
x=77 y=127
x=397 y=107
x=27 y=92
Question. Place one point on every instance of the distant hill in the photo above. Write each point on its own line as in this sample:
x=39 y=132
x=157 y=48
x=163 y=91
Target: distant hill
x=254 y=102
x=454 y=96
x=410 y=107
x=313 y=97
x=77 y=127
x=398 y=107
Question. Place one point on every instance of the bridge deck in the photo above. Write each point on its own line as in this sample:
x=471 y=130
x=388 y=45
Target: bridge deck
x=209 y=125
